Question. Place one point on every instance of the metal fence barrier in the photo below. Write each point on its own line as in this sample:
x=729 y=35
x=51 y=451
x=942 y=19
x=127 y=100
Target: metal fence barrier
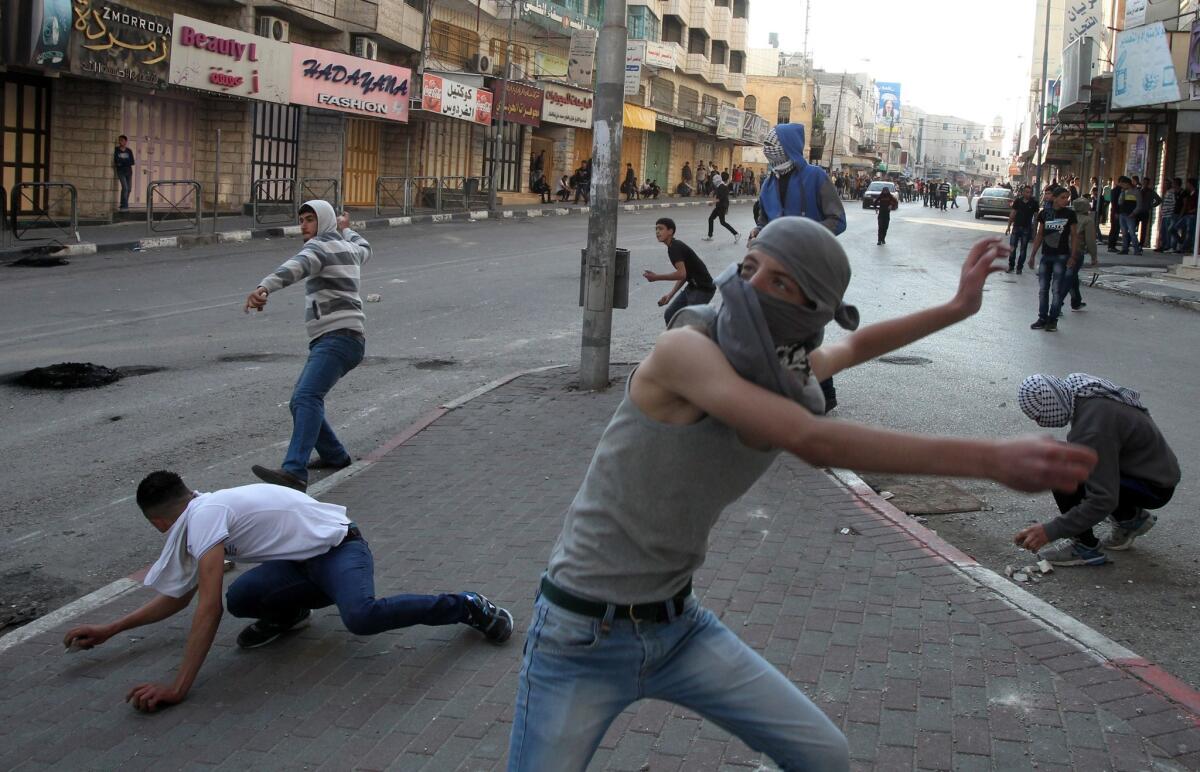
x=179 y=211
x=273 y=200
x=425 y=195
x=324 y=188
x=44 y=198
x=478 y=190
x=393 y=196
x=453 y=194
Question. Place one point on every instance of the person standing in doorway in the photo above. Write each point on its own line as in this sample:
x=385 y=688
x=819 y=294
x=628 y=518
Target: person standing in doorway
x=721 y=194
x=685 y=187
x=693 y=283
x=331 y=263
x=123 y=164
x=1147 y=201
x=629 y=187
x=886 y=203
x=1128 y=201
x=1166 y=227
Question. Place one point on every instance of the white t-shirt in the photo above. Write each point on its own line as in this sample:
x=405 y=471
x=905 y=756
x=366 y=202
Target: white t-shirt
x=257 y=523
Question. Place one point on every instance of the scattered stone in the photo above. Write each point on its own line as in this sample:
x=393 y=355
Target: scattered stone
x=374 y=298
x=1009 y=571
x=1020 y=576
x=1045 y=567
x=885 y=495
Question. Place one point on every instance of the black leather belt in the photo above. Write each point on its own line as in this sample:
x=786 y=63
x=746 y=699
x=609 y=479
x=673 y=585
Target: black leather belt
x=352 y=534
x=661 y=611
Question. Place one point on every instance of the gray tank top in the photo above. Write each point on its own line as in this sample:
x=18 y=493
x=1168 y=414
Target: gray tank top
x=639 y=525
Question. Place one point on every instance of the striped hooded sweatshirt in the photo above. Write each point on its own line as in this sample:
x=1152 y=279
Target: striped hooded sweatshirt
x=331 y=264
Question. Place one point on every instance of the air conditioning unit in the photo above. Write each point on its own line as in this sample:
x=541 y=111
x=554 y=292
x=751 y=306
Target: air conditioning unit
x=365 y=47
x=273 y=27
x=480 y=63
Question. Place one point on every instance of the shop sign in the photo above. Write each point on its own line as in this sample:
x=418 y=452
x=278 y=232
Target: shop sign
x=581 y=57
x=755 y=128
x=1135 y=12
x=518 y=103
x=116 y=43
x=210 y=57
x=50 y=25
x=729 y=123
x=682 y=123
x=456 y=100
x=1083 y=20
x=349 y=84
x=660 y=55
x=567 y=106
x=634 y=53
x=549 y=65
x=1144 y=73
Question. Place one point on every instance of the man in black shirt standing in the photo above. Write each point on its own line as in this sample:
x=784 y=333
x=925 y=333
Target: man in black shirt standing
x=1058 y=237
x=1021 y=225
x=690 y=270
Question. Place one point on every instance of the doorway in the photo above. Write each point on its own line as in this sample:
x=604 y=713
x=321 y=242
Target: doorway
x=658 y=160
x=25 y=124
x=160 y=135
x=362 y=162
x=541 y=144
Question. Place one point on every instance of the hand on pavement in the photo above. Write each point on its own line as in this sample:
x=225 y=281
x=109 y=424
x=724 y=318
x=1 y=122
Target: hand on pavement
x=1032 y=538
x=256 y=299
x=1035 y=463
x=86 y=636
x=150 y=697
x=986 y=257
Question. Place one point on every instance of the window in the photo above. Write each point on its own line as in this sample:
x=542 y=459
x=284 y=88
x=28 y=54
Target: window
x=642 y=23
x=447 y=41
x=689 y=102
x=945 y=127
x=418 y=4
x=737 y=62
x=751 y=103
x=520 y=55
x=709 y=106
x=662 y=95
x=827 y=111
x=719 y=51
x=672 y=30
x=697 y=42
x=785 y=110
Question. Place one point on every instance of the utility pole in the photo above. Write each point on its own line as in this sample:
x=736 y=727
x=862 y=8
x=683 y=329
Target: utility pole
x=608 y=120
x=1037 y=185
x=498 y=129
x=836 y=119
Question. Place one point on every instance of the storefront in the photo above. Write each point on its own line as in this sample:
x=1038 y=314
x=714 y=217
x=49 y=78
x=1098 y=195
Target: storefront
x=565 y=106
x=638 y=123
x=26 y=126
x=521 y=107
x=455 y=115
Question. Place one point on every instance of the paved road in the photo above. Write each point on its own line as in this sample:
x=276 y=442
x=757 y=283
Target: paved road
x=464 y=303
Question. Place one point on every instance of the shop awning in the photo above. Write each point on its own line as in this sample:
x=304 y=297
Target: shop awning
x=640 y=118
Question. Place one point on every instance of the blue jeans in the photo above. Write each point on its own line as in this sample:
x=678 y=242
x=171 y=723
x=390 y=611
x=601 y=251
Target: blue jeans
x=686 y=297
x=1070 y=285
x=1166 y=232
x=1185 y=227
x=577 y=677
x=329 y=358
x=1051 y=270
x=1019 y=237
x=1129 y=233
x=279 y=589
x=125 y=177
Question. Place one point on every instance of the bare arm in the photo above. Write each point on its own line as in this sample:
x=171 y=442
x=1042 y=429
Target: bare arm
x=679 y=274
x=1037 y=243
x=156 y=610
x=150 y=697
x=986 y=257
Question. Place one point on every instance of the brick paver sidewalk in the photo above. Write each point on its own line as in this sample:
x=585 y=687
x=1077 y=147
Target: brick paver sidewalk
x=922 y=667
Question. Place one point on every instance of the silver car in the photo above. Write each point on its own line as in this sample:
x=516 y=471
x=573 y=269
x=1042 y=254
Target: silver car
x=873 y=190
x=994 y=202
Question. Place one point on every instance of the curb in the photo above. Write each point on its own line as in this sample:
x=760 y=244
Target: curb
x=1158 y=297
x=188 y=240
x=1090 y=640
x=97 y=598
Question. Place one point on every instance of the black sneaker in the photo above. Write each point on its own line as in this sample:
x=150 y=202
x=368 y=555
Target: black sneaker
x=1078 y=307
x=279 y=477
x=264 y=631
x=1019 y=270
x=1010 y=270
x=320 y=463
x=1051 y=326
x=495 y=623
x=1040 y=324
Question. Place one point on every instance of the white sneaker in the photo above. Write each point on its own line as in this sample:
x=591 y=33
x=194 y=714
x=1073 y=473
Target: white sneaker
x=736 y=238
x=706 y=238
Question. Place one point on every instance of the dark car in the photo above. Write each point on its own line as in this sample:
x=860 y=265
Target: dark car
x=874 y=189
x=994 y=202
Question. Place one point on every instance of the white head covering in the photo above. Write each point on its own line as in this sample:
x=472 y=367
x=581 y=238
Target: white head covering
x=326 y=217
x=1050 y=401
x=717 y=179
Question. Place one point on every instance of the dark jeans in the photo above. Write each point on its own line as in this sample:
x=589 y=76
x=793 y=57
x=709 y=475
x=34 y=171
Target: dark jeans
x=686 y=297
x=1019 y=238
x=884 y=221
x=329 y=358
x=1135 y=495
x=719 y=212
x=1070 y=286
x=125 y=177
x=1051 y=270
x=277 y=590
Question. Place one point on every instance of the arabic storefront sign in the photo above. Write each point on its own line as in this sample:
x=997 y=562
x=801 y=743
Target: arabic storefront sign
x=1082 y=21
x=118 y=43
x=683 y=123
x=334 y=81
x=456 y=100
x=660 y=55
x=581 y=57
x=213 y=58
x=519 y=103
x=634 y=54
x=1144 y=73
x=49 y=31
x=549 y=65
x=729 y=123
x=755 y=128
x=1135 y=12
x=567 y=106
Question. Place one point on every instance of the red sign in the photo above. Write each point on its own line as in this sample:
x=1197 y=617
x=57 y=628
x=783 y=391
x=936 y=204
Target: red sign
x=457 y=100
x=521 y=103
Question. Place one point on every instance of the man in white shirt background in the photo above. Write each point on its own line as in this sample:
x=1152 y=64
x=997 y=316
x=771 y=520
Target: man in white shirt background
x=311 y=556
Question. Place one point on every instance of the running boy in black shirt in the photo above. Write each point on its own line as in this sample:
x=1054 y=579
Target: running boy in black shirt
x=689 y=270
x=1058 y=237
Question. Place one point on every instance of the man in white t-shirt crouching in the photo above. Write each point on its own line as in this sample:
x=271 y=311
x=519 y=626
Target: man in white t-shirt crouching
x=311 y=556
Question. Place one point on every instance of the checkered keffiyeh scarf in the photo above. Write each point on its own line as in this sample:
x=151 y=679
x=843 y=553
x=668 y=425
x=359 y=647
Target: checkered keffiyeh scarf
x=1050 y=401
x=777 y=157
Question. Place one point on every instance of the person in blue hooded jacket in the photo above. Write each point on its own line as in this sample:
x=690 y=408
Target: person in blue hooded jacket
x=795 y=188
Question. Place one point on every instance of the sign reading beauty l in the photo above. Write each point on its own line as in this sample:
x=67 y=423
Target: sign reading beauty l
x=349 y=84
x=210 y=57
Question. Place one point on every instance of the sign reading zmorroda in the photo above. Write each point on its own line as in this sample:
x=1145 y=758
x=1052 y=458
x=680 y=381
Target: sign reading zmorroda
x=567 y=106
x=336 y=81
x=210 y=57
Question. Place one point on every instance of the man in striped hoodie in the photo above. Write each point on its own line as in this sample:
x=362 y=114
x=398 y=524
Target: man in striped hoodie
x=330 y=263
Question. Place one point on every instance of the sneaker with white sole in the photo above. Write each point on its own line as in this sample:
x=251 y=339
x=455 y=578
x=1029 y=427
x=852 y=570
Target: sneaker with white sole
x=494 y=622
x=1071 y=552
x=1123 y=534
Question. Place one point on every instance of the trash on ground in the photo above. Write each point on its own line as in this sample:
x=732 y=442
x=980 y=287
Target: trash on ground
x=848 y=531
x=885 y=495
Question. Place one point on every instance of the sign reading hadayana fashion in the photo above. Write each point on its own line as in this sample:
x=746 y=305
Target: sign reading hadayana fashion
x=210 y=57
x=567 y=106
x=456 y=100
x=349 y=84
x=113 y=42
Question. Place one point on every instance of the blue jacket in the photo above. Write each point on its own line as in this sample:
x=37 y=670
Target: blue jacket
x=806 y=190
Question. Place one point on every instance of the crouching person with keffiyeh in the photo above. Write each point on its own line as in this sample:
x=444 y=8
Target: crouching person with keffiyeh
x=1136 y=471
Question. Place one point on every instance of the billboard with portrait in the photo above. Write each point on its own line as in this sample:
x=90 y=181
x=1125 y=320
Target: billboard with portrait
x=887 y=113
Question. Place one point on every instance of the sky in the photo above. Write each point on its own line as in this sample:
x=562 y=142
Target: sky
x=955 y=57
